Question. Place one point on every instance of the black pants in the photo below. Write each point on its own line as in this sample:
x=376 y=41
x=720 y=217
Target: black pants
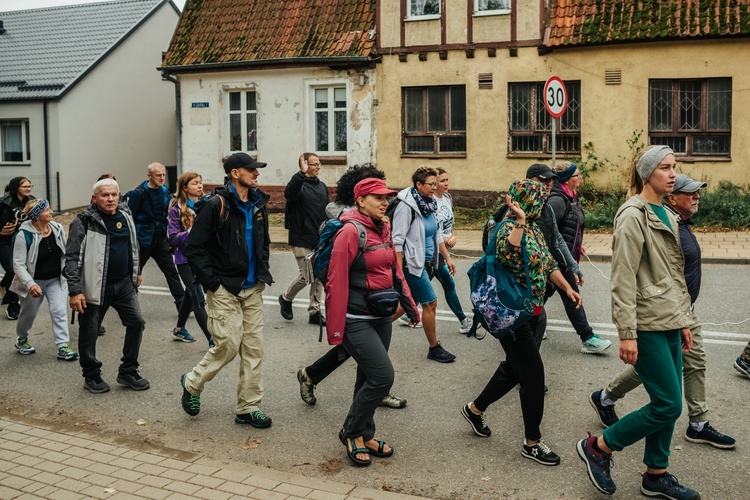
x=327 y=364
x=577 y=317
x=523 y=365
x=121 y=296
x=162 y=255
x=194 y=301
x=6 y=261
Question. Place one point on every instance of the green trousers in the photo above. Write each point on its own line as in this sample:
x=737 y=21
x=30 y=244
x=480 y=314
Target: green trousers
x=693 y=375
x=660 y=368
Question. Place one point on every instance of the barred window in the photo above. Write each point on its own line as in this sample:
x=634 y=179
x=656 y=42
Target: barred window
x=434 y=121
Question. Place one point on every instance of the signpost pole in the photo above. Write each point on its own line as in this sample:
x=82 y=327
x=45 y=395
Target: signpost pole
x=554 y=143
x=556 y=101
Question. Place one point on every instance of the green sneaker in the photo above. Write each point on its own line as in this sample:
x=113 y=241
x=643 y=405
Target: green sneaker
x=191 y=404
x=66 y=353
x=24 y=347
x=255 y=418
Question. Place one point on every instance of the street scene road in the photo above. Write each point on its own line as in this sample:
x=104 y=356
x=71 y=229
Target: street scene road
x=437 y=455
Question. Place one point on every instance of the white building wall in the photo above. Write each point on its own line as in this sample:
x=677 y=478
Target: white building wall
x=33 y=169
x=120 y=117
x=285 y=119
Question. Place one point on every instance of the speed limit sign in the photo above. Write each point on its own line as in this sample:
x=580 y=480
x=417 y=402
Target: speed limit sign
x=555 y=97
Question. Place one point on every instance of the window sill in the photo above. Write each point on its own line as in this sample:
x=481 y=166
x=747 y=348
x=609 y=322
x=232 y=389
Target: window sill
x=433 y=156
x=542 y=156
x=333 y=160
x=488 y=13
x=699 y=159
x=430 y=17
x=14 y=164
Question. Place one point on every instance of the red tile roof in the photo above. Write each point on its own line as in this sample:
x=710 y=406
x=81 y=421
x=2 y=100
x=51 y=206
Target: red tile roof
x=591 y=22
x=222 y=31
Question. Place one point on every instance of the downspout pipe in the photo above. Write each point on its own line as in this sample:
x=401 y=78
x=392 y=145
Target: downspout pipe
x=48 y=189
x=178 y=117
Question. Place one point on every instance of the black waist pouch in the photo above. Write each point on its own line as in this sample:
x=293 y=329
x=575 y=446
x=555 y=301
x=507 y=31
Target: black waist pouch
x=382 y=302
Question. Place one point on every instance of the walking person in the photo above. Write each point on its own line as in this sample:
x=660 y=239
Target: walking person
x=742 y=363
x=682 y=203
x=228 y=251
x=523 y=364
x=149 y=204
x=306 y=200
x=179 y=223
x=310 y=376
x=418 y=237
x=566 y=204
x=17 y=195
x=101 y=266
x=38 y=261
x=360 y=321
x=652 y=313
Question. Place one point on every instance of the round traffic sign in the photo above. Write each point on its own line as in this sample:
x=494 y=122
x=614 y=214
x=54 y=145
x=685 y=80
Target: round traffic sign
x=555 y=96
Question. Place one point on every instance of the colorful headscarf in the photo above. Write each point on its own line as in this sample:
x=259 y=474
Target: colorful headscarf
x=37 y=209
x=529 y=195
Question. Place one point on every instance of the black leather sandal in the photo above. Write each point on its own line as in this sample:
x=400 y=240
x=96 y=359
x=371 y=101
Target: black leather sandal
x=352 y=454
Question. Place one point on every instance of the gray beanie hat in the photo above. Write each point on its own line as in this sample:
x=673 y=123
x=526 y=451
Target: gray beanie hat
x=648 y=162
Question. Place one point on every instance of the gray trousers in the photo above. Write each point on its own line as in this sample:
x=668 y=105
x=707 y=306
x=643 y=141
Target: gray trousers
x=57 y=298
x=693 y=376
x=299 y=283
x=367 y=341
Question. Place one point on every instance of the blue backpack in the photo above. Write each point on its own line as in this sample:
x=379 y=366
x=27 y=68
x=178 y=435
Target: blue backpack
x=316 y=262
x=500 y=304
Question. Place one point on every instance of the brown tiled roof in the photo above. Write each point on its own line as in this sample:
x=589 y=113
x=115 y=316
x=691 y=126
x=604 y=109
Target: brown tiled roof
x=221 y=31
x=590 y=22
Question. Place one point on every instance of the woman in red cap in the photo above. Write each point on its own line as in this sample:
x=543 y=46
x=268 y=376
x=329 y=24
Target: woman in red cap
x=362 y=292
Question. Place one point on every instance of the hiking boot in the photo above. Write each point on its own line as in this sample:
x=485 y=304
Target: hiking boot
x=317 y=319
x=709 y=435
x=14 y=309
x=101 y=331
x=182 y=335
x=191 y=404
x=133 y=380
x=255 y=418
x=464 y=326
x=66 y=353
x=306 y=387
x=742 y=366
x=95 y=384
x=24 y=347
x=392 y=401
x=477 y=422
x=286 y=308
x=667 y=487
x=598 y=465
x=440 y=355
x=405 y=321
x=606 y=414
x=541 y=453
x=595 y=345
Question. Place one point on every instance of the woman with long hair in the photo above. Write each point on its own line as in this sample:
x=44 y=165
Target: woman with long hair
x=17 y=195
x=38 y=262
x=179 y=222
x=652 y=313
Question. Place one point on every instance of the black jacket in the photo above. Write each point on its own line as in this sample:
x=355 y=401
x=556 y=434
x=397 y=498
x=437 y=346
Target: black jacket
x=570 y=218
x=692 y=252
x=11 y=209
x=216 y=249
x=306 y=200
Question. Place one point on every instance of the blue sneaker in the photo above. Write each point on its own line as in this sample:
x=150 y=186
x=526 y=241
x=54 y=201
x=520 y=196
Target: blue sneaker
x=597 y=465
x=182 y=335
x=742 y=366
x=24 y=346
x=595 y=345
x=711 y=436
x=667 y=487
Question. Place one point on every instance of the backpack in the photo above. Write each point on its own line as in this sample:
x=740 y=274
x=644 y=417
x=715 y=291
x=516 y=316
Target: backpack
x=391 y=210
x=125 y=198
x=497 y=216
x=316 y=262
x=223 y=211
x=499 y=303
x=29 y=238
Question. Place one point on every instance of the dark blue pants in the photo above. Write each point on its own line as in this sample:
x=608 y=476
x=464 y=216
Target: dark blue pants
x=577 y=317
x=162 y=255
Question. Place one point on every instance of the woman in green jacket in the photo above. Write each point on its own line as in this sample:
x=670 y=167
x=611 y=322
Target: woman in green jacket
x=651 y=310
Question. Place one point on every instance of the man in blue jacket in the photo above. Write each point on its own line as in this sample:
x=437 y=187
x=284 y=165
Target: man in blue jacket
x=149 y=204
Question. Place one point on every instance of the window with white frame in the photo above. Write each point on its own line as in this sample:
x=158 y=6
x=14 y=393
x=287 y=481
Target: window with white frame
x=14 y=141
x=329 y=120
x=692 y=116
x=530 y=126
x=492 y=6
x=422 y=8
x=434 y=121
x=243 y=121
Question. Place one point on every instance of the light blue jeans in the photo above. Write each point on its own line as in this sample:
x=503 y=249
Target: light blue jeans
x=57 y=298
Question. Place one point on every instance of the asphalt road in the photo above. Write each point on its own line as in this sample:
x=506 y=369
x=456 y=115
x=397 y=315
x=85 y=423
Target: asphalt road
x=437 y=455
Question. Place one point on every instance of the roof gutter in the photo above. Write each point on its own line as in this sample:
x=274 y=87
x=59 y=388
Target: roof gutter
x=45 y=120
x=319 y=61
x=178 y=117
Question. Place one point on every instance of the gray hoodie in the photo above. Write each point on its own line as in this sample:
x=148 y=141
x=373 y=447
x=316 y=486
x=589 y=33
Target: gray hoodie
x=407 y=228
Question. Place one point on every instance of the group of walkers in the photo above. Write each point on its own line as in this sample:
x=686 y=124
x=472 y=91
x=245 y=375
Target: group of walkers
x=380 y=271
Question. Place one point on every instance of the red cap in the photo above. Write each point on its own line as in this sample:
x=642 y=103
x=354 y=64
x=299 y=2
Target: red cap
x=372 y=185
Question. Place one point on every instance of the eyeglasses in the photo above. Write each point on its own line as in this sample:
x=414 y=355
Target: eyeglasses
x=433 y=185
x=28 y=186
x=316 y=165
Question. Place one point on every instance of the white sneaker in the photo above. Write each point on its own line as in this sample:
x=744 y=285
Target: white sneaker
x=404 y=320
x=465 y=326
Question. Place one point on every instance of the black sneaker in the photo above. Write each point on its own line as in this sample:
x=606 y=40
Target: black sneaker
x=191 y=404
x=95 y=384
x=317 y=319
x=606 y=414
x=667 y=487
x=440 y=355
x=709 y=435
x=306 y=387
x=255 y=418
x=478 y=425
x=286 y=308
x=101 y=331
x=133 y=380
x=597 y=465
x=541 y=453
x=14 y=309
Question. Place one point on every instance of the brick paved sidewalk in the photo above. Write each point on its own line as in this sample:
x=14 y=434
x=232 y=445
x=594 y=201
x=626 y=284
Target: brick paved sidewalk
x=44 y=461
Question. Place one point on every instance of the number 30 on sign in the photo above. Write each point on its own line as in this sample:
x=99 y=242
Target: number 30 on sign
x=555 y=96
